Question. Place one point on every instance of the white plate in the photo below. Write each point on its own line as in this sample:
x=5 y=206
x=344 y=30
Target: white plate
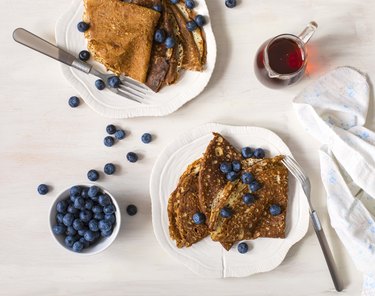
x=208 y=258
x=108 y=104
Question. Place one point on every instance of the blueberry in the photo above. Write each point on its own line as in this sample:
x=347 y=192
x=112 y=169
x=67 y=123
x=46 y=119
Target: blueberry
x=77 y=246
x=58 y=229
x=73 y=198
x=105 y=225
x=230 y=3
x=75 y=190
x=232 y=176
x=259 y=153
x=61 y=206
x=110 y=217
x=246 y=152
x=110 y=209
x=248 y=198
x=146 y=138
x=84 y=55
x=174 y=1
x=114 y=81
x=131 y=210
x=42 y=189
x=85 y=216
x=97 y=209
x=191 y=26
x=72 y=210
x=275 y=210
x=226 y=212
x=109 y=169
x=104 y=200
x=59 y=218
x=82 y=26
x=84 y=193
x=106 y=233
x=93 y=175
x=99 y=84
x=109 y=141
x=199 y=218
x=69 y=241
x=110 y=129
x=84 y=242
x=236 y=165
x=68 y=219
x=200 y=20
x=93 y=191
x=89 y=236
x=190 y=4
x=89 y=204
x=170 y=42
x=255 y=186
x=242 y=248
x=82 y=231
x=247 y=178
x=132 y=157
x=73 y=101
x=78 y=224
x=159 y=36
x=158 y=7
x=79 y=203
x=94 y=225
x=225 y=167
x=99 y=216
x=71 y=231
x=120 y=135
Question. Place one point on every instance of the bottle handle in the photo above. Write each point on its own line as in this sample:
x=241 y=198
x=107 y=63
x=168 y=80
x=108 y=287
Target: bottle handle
x=307 y=33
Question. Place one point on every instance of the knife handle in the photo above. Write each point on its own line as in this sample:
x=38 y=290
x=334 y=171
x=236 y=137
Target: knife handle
x=36 y=43
x=326 y=251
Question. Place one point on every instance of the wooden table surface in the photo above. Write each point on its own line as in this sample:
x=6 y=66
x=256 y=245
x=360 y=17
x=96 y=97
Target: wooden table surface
x=43 y=140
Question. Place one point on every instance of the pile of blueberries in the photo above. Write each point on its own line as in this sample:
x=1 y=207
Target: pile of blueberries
x=84 y=217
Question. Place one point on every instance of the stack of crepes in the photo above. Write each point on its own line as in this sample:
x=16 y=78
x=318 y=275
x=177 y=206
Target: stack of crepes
x=121 y=37
x=203 y=188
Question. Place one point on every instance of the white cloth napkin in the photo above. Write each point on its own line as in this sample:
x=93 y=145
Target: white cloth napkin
x=334 y=110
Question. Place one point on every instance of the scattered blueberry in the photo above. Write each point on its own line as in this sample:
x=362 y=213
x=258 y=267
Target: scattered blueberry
x=79 y=203
x=61 y=206
x=93 y=175
x=226 y=212
x=200 y=20
x=84 y=55
x=110 y=209
x=199 y=218
x=248 y=199
x=110 y=129
x=89 y=204
x=242 y=248
x=159 y=36
x=190 y=4
x=158 y=7
x=106 y=233
x=255 y=186
x=259 y=153
x=120 y=135
x=77 y=247
x=225 y=167
x=69 y=241
x=109 y=169
x=236 y=166
x=247 y=178
x=110 y=217
x=191 y=26
x=73 y=101
x=230 y=3
x=93 y=191
x=104 y=200
x=78 y=224
x=99 y=84
x=114 y=82
x=68 y=219
x=146 y=138
x=131 y=210
x=71 y=231
x=94 y=225
x=170 y=42
x=246 y=152
x=174 y=1
x=132 y=157
x=82 y=26
x=105 y=225
x=109 y=141
x=97 y=209
x=275 y=210
x=58 y=229
x=89 y=236
x=42 y=189
x=232 y=176
x=85 y=216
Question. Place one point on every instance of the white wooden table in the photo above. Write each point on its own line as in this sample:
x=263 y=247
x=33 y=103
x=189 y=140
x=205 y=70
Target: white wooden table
x=43 y=140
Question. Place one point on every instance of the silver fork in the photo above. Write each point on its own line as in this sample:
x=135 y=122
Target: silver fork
x=298 y=173
x=128 y=88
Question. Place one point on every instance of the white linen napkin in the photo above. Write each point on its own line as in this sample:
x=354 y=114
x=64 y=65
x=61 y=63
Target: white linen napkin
x=334 y=110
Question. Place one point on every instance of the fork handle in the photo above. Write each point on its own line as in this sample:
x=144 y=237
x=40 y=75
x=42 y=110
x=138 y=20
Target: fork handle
x=326 y=251
x=34 y=42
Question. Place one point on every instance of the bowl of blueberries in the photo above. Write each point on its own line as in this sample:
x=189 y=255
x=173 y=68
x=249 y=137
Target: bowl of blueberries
x=85 y=219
